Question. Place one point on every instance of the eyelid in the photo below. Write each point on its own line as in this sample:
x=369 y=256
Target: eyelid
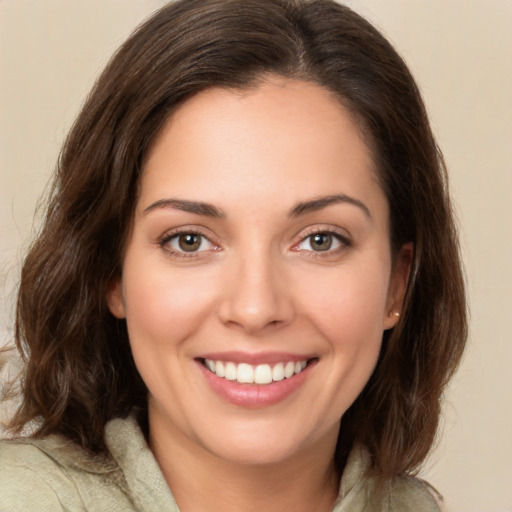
x=168 y=236
x=338 y=233
x=341 y=235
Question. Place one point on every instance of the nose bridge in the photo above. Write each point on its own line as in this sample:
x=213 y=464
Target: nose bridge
x=257 y=295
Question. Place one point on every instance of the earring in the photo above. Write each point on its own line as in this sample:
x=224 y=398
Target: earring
x=396 y=313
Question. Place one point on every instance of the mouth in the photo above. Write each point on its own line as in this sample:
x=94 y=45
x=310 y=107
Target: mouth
x=256 y=380
x=260 y=374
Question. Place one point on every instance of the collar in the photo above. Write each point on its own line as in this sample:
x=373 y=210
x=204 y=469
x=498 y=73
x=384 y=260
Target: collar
x=145 y=482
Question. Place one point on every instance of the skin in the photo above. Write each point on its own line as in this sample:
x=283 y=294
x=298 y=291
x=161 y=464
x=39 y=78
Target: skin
x=257 y=285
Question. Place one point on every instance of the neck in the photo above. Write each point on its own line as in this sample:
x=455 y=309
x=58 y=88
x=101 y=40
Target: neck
x=200 y=480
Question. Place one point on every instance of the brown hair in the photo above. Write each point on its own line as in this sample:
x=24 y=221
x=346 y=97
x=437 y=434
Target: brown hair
x=80 y=372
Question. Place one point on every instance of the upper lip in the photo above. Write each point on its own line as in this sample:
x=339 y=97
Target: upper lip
x=256 y=358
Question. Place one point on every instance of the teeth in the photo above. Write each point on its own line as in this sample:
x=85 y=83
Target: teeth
x=259 y=374
x=263 y=374
x=289 y=369
x=278 y=372
x=244 y=373
x=219 y=369
x=230 y=371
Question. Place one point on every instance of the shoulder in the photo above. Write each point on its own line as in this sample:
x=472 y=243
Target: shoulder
x=53 y=474
x=402 y=494
x=360 y=491
x=30 y=479
x=411 y=493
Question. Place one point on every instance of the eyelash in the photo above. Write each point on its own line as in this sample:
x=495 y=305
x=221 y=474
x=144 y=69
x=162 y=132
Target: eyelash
x=343 y=240
x=168 y=237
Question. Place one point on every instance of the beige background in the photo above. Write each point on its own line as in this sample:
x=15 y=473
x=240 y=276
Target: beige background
x=461 y=53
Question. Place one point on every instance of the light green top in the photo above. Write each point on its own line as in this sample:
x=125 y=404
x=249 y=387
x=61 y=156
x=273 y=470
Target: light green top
x=54 y=475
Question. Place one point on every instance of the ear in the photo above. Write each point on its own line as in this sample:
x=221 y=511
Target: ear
x=115 y=299
x=398 y=285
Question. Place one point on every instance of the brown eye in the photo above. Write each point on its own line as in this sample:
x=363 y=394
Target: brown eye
x=189 y=242
x=186 y=243
x=321 y=241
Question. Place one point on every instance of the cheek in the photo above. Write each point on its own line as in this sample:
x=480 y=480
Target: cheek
x=346 y=303
x=164 y=307
x=348 y=310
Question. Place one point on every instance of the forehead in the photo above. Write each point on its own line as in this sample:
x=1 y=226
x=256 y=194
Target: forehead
x=287 y=136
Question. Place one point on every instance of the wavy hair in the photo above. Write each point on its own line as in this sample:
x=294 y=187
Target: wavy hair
x=79 y=368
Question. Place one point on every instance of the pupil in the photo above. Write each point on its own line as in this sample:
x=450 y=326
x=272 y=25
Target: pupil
x=189 y=242
x=322 y=242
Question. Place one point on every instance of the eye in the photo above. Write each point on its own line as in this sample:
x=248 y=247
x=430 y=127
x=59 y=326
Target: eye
x=187 y=242
x=322 y=241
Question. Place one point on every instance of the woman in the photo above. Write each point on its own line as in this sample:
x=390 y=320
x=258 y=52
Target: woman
x=247 y=292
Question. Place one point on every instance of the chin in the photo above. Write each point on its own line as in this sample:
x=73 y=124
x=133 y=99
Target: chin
x=254 y=452
x=266 y=443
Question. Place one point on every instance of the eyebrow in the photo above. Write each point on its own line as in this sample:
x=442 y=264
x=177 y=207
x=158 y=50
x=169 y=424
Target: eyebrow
x=197 y=207
x=324 y=201
x=302 y=208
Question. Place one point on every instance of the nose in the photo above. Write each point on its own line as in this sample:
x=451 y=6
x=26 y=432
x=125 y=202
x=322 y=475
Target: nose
x=256 y=296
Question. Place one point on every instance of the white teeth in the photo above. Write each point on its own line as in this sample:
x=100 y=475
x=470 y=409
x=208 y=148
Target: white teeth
x=230 y=371
x=289 y=369
x=263 y=374
x=244 y=373
x=278 y=372
x=219 y=369
x=259 y=374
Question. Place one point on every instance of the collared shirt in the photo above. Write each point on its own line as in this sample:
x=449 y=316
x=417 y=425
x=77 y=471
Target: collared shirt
x=55 y=475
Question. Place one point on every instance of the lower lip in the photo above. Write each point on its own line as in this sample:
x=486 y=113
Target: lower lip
x=255 y=395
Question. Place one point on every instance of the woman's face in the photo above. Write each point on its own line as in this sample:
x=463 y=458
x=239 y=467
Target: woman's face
x=258 y=279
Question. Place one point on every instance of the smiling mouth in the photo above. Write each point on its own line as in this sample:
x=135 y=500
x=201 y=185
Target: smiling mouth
x=261 y=374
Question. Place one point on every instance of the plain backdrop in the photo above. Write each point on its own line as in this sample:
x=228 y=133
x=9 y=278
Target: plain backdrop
x=461 y=54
